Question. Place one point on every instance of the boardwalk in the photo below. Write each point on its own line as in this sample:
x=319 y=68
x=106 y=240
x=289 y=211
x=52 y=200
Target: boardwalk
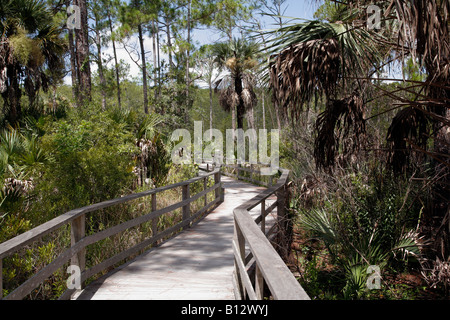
x=195 y=265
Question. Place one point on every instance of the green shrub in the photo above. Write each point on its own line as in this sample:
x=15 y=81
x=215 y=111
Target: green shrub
x=369 y=219
x=91 y=162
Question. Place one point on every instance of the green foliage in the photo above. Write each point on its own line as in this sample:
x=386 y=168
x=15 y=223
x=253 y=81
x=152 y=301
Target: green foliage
x=91 y=162
x=369 y=220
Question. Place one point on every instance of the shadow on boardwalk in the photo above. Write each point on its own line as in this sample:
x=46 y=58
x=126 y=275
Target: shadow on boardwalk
x=195 y=265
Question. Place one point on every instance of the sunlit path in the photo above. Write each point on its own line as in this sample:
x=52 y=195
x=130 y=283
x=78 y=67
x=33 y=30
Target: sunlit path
x=197 y=264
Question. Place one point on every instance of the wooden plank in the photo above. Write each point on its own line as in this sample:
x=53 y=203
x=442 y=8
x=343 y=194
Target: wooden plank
x=259 y=284
x=263 y=216
x=186 y=208
x=30 y=284
x=237 y=293
x=154 y=220
x=244 y=278
x=201 y=256
x=278 y=277
x=243 y=235
x=10 y=246
x=1 y=279
x=77 y=233
x=33 y=282
x=205 y=186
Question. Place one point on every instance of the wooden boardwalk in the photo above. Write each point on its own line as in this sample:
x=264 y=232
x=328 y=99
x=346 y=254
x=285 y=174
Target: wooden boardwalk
x=195 y=265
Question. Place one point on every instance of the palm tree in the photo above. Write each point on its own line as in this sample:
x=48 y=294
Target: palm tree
x=313 y=59
x=237 y=88
x=337 y=60
x=31 y=52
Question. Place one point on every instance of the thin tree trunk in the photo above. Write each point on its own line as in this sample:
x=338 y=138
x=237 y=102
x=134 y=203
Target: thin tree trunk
x=188 y=53
x=271 y=116
x=159 y=60
x=73 y=67
x=169 y=41
x=277 y=113
x=251 y=118
x=144 y=69
x=54 y=99
x=263 y=101
x=82 y=45
x=13 y=94
x=240 y=109
x=210 y=108
x=73 y=62
x=100 y=65
x=155 y=61
x=115 y=62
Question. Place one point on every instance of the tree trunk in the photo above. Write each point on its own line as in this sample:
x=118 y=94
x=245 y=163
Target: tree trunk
x=210 y=108
x=155 y=61
x=12 y=95
x=277 y=113
x=82 y=51
x=169 y=41
x=100 y=64
x=437 y=222
x=263 y=101
x=73 y=67
x=188 y=54
x=73 y=63
x=251 y=118
x=240 y=109
x=144 y=69
x=115 y=61
x=159 y=60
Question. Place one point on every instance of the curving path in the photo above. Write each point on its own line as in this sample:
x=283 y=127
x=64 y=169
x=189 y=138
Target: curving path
x=195 y=265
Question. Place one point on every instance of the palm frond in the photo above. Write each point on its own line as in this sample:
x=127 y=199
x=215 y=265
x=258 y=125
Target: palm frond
x=334 y=125
x=409 y=123
x=318 y=222
x=313 y=57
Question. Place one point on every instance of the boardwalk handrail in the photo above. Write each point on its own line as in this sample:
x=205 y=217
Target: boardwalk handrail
x=269 y=266
x=79 y=241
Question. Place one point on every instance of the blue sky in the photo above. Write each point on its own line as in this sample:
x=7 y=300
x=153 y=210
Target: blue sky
x=303 y=9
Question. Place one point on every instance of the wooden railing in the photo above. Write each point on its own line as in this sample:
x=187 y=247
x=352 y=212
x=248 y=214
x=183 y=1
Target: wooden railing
x=257 y=264
x=76 y=254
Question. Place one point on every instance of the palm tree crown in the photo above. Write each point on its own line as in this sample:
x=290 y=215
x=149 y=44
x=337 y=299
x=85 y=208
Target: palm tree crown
x=31 y=52
x=236 y=89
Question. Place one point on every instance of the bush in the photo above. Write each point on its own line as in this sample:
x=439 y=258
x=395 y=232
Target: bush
x=91 y=161
x=368 y=219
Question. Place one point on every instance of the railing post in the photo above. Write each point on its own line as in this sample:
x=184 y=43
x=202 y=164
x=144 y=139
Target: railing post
x=77 y=232
x=1 y=279
x=155 y=220
x=205 y=185
x=282 y=219
x=280 y=206
x=259 y=284
x=219 y=192
x=259 y=278
x=187 y=207
x=263 y=216
x=240 y=243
